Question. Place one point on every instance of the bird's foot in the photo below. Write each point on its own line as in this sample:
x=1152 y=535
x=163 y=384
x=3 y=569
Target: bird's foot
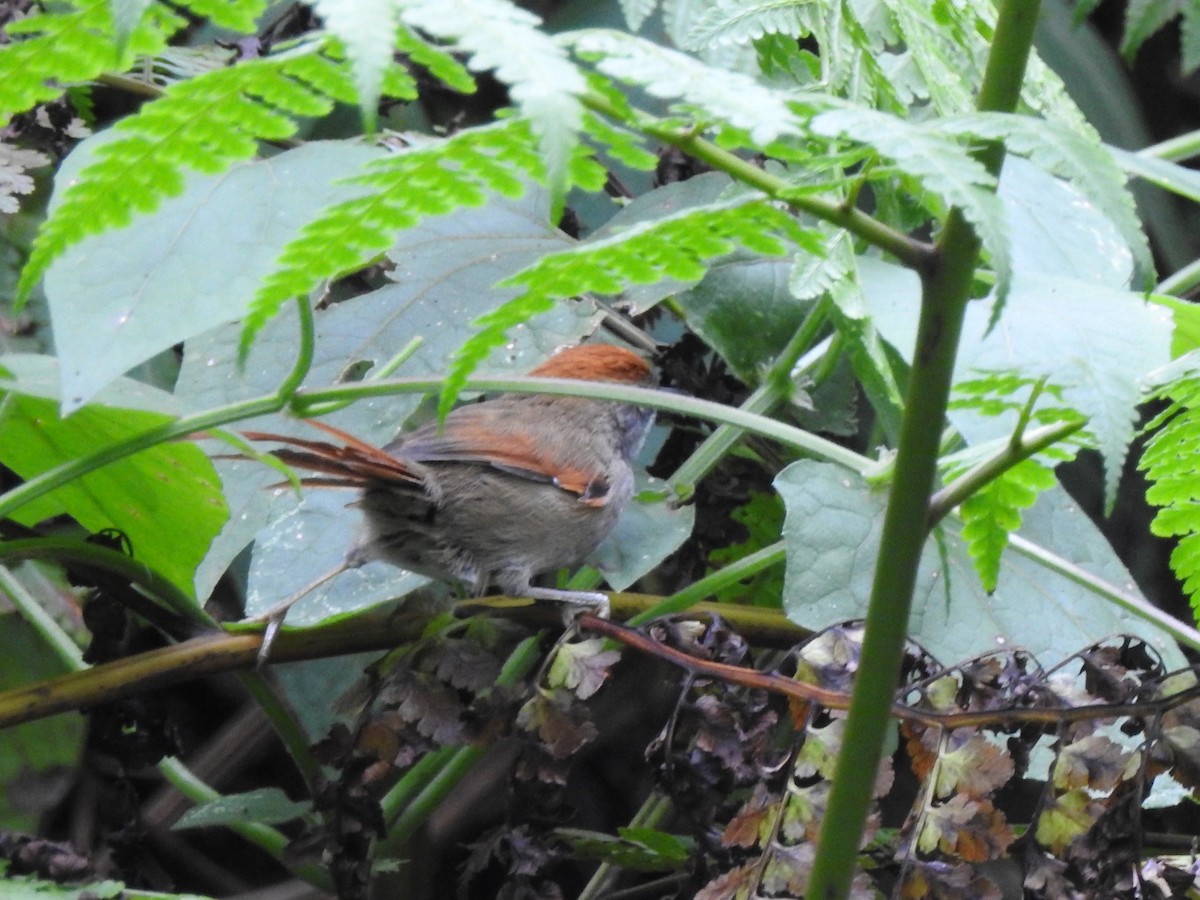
x=574 y=603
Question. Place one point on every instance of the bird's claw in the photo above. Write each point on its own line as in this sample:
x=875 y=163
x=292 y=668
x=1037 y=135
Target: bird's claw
x=274 y=623
x=574 y=603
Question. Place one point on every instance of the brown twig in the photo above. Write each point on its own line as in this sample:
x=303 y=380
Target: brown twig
x=789 y=687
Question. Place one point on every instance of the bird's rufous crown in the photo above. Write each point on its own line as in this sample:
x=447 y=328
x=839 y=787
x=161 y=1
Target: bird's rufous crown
x=596 y=362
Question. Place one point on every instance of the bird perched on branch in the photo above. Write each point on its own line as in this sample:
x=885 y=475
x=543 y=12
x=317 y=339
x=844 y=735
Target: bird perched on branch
x=503 y=491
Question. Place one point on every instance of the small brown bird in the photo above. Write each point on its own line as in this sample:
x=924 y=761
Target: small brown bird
x=505 y=490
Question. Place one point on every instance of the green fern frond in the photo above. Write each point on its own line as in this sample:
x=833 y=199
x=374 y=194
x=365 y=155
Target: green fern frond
x=236 y=15
x=636 y=12
x=621 y=145
x=994 y=511
x=367 y=29
x=677 y=247
x=942 y=166
x=53 y=50
x=440 y=64
x=709 y=92
x=1170 y=462
x=203 y=124
x=1077 y=158
x=428 y=180
x=996 y=393
x=545 y=86
x=738 y=23
x=174 y=64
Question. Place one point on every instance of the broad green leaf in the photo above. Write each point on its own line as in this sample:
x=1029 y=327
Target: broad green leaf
x=165 y=499
x=120 y=297
x=1094 y=342
x=834 y=522
x=743 y=309
x=269 y=806
x=36 y=758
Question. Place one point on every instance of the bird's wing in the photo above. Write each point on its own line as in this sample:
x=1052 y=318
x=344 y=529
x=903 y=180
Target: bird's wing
x=469 y=437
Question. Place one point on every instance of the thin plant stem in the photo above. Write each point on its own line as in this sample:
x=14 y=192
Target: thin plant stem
x=652 y=813
x=913 y=253
x=729 y=575
x=1176 y=149
x=171 y=769
x=43 y=623
x=993 y=467
x=1181 y=282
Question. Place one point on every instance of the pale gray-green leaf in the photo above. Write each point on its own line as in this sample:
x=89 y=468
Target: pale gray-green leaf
x=744 y=310
x=832 y=531
x=647 y=533
x=1058 y=231
x=118 y=298
x=310 y=540
x=636 y=12
x=668 y=200
x=1167 y=175
x=1079 y=158
x=740 y=22
x=1093 y=341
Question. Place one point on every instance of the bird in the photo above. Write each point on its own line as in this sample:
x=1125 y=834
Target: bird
x=502 y=491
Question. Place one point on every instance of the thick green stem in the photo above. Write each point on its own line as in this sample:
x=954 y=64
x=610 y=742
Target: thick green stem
x=946 y=291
